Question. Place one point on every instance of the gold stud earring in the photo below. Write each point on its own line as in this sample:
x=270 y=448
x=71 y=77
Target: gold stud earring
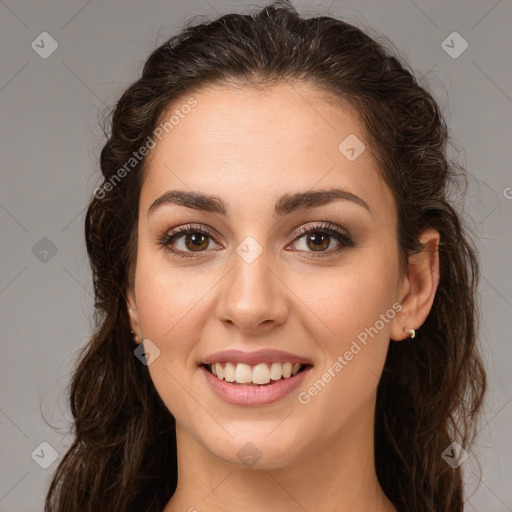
x=412 y=333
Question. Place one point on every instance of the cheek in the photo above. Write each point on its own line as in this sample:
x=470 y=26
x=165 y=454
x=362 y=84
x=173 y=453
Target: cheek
x=167 y=297
x=355 y=306
x=168 y=301
x=351 y=298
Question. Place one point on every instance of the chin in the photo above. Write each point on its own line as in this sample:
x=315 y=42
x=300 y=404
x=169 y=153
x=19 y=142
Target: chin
x=256 y=450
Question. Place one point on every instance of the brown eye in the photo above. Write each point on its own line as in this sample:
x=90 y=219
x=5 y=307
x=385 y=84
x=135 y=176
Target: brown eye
x=186 y=240
x=196 y=241
x=318 y=241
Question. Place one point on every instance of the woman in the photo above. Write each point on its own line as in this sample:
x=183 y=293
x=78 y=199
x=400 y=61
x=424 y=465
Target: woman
x=285 y=296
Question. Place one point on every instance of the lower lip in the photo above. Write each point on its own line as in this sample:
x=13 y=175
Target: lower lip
x=238 y=394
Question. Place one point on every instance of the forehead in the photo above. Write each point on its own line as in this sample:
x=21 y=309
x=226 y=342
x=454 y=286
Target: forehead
x=251 y=144
x=279 y=115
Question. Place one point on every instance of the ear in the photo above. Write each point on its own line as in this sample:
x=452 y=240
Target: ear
x=133 y=314
x=419 y=287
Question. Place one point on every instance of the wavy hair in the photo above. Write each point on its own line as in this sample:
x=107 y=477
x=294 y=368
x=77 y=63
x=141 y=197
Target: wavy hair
x=123 y=455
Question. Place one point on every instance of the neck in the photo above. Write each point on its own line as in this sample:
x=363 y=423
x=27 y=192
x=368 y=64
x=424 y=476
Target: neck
x=337 y=474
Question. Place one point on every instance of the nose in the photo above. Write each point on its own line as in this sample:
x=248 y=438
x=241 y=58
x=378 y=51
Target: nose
x=253 y=297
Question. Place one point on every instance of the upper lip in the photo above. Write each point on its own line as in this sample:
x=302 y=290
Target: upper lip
x=253 y=358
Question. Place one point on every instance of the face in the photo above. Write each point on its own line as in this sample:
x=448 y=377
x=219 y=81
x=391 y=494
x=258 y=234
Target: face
x=248 y=279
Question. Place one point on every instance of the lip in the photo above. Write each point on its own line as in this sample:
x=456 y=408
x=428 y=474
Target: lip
x=257 y=357
x=240 y=394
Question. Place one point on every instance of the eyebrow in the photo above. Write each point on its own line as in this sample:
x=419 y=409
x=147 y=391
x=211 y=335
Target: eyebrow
x=285 y=205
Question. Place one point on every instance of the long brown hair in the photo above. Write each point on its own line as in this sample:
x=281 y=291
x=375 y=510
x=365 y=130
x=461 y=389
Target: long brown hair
x=123 y=456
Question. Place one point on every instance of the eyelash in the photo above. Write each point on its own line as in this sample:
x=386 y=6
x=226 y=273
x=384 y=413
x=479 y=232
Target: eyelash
x=339 y=234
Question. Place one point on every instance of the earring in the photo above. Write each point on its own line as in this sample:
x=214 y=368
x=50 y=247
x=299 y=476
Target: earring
x=412 y=333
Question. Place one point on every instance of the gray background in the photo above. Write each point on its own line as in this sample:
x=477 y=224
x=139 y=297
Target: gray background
x=50 y=142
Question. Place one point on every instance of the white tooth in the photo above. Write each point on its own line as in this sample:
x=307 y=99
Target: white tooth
x=287 y=370
x=243 y=373
x=276 y=371
x=261 y=374
x=229 y=372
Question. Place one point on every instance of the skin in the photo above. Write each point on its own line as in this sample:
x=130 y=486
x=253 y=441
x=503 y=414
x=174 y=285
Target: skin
x=250 y=147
